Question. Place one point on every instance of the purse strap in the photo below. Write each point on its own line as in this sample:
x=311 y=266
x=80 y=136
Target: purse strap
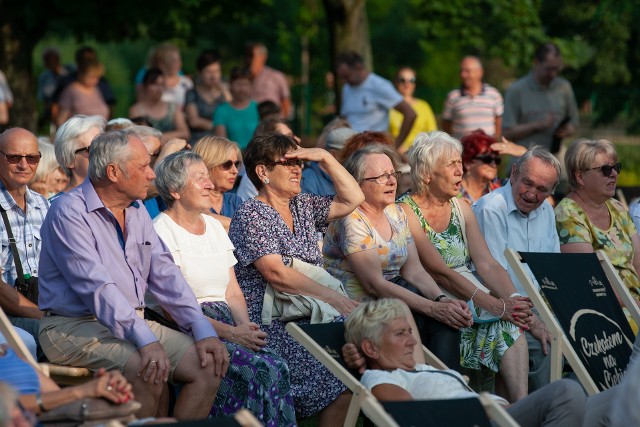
x=14 y=248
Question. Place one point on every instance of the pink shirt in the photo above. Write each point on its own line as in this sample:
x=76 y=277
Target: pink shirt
x=77 y=101
x=270 y=85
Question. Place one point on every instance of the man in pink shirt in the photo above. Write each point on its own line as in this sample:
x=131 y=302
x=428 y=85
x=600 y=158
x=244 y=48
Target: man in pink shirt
x=268 y=84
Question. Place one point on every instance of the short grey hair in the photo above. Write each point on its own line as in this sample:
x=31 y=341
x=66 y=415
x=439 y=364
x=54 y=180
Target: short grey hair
x=66 y=139
x=172 y=174
x=581 y=155
x=370 y=318
x=538 y=152
x=109 y=148
x=427 y=150
x=356 y=163
x=144 y=132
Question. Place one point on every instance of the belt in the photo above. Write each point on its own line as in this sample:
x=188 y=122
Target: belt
x=49 y=313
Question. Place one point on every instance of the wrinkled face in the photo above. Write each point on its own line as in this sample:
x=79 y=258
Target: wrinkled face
x=547 y=70
x=224 y=175
x=211 y=74
x=284 y=180
x=240 y=89
x=446 y=177
x=471 y=72
x=406 y=82
x=138 y=171
x=195 y=194
x=395 y=347
x=379 y=193
x=80 y=165
x=595 y=183
x=532 y=185
x=22 y=143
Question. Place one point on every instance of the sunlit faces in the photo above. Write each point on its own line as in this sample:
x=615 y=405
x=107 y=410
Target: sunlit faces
x=595 y=183
x=533 y=184
x=284 y=180
x=395 y=347
x=375 y=194
x=19 y=142
x=484 y=167
x=195 y=194
x=224 y=180
x=138 y=173
x=446 y=176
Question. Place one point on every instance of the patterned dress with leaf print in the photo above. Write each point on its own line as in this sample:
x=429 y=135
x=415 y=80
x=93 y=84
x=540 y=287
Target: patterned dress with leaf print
x=482 y=344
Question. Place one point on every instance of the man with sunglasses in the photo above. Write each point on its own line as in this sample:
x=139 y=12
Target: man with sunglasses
x=25 y=211
x=518 y=216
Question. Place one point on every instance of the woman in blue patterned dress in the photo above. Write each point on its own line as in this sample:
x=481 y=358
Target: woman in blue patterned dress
x=257 y=378
x=280 y=224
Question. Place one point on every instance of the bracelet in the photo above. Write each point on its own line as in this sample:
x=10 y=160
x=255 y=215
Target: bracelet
x=515 y=294
x=439 y=297
x=40 y=405
x=504 y=308
x=474 y=293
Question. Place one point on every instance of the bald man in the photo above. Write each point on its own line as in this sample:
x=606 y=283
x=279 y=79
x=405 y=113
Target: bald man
x=25 y=211
x=474 y=105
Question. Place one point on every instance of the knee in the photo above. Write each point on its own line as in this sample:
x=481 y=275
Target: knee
x=568 y=393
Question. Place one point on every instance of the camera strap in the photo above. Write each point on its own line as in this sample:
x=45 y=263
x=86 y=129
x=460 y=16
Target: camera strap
x=14 y=248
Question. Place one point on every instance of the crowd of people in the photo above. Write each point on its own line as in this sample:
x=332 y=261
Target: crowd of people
x=151 y=249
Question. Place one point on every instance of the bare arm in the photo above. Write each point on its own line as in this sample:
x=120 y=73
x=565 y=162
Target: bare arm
x=285 y=105
x=4 y=113
x=15 y=304
x=221 y=130
x=194 y=119
x=409 y=117
x=498 y=124
x=224 y=220
x=390 y=392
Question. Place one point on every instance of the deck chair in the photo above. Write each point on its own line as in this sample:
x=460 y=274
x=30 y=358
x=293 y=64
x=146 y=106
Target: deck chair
x=324 y=341
x=62 y=375
x=583 y=315
x=242 y=418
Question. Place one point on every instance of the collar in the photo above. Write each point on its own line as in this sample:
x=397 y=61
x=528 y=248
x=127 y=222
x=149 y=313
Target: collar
x=8 y=203
x=463 y=90
x=92 y=200
x=511 y=204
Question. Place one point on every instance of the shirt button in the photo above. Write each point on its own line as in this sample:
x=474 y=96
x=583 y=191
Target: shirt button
x=30 y=245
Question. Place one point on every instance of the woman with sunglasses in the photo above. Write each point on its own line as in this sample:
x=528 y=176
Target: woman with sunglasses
x=589 y=218
x=495 y=343
x=223 y=159
x=268 y=232
x=480 y=165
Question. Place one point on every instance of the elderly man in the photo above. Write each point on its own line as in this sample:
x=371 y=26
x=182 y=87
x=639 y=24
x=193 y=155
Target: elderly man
x=367 y=98
x=517 y=216
x=24 y=212
x=474 y=105
x=540 y=108
x=268 y=84
x=100 y=255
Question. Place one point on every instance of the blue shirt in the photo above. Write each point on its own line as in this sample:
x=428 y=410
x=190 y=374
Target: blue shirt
x=89 y=267
x=18 y=373
x=504 y=226
x=230 y=204
x=317 y=181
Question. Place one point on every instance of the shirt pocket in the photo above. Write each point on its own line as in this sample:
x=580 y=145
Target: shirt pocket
x=144 y=255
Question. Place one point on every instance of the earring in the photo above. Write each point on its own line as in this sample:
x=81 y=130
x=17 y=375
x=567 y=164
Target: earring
x=266 y=180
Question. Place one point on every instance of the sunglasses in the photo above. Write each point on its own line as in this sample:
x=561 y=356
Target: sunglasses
x=84 y=151
x=14 y=159
x=403 y=80
x=229 y=163
x=607 y=169
x=289 y=163
x=489 y=158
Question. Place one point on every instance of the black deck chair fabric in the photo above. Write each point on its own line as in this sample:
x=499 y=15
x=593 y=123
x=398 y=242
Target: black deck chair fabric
x=330 y=336
x=467 y=412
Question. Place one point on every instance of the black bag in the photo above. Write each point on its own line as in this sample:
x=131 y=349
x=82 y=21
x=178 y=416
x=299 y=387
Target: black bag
x=28 y=287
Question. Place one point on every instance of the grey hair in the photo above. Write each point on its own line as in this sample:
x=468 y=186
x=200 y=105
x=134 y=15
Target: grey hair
x=370 y=318
x=581 y=155
x=356 y=163
x=537 y=152
x=172 y=174
x=66 y=140
x=47 y=163
x=145 y=131
x=427 y=149
x=109 y=148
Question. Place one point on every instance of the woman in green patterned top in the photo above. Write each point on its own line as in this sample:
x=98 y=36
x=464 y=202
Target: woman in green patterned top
x=589 y=218
x=495 y=341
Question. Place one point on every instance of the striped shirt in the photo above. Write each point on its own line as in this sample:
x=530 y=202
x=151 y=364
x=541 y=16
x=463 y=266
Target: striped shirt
x=468 y=113
x=26 y=232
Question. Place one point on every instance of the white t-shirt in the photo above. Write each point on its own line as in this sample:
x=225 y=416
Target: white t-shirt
x=203 y=259
x=367 y=106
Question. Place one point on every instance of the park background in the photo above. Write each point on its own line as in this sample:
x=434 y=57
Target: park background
x=598 y=40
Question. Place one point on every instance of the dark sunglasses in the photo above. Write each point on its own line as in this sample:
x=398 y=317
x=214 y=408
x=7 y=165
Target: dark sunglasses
x=289 y=163
x=14 y=159
x=489 y=158
x=83 y=150
x=607 y=169
x=229 y=163
x=403 y=80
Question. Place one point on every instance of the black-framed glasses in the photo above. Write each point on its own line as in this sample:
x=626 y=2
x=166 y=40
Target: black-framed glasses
x=84 y=151
x=489 y=158
x=403 y=80
x=384 y=178
x=607 y=169
x=230 y=163
x=289 y=163
x=14 y=159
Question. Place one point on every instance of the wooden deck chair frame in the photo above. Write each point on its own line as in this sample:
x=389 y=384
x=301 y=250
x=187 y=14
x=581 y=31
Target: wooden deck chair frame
x=560 y=344
x=363 y=400
x=63 y=375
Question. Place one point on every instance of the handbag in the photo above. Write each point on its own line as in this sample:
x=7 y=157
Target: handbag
x=27 y=285
x=89 y=412
x=285 y=306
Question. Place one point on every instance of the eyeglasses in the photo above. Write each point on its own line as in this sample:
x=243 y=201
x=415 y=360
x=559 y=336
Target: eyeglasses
x=489 y=158
x=607 y=169
x=403 y=80
x=84 y=151
x=229 y=163
x=14 y=159
x=289 y=163
x=384 y=178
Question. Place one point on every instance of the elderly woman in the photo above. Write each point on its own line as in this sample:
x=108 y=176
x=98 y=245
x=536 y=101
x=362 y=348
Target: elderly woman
x=589 y=218
x=480 y=165
x=223 y=159
x=393 y=267
x=257 y=379
x=270 y=230
x=381 y=332
x=433 y=209
x=71 y=146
